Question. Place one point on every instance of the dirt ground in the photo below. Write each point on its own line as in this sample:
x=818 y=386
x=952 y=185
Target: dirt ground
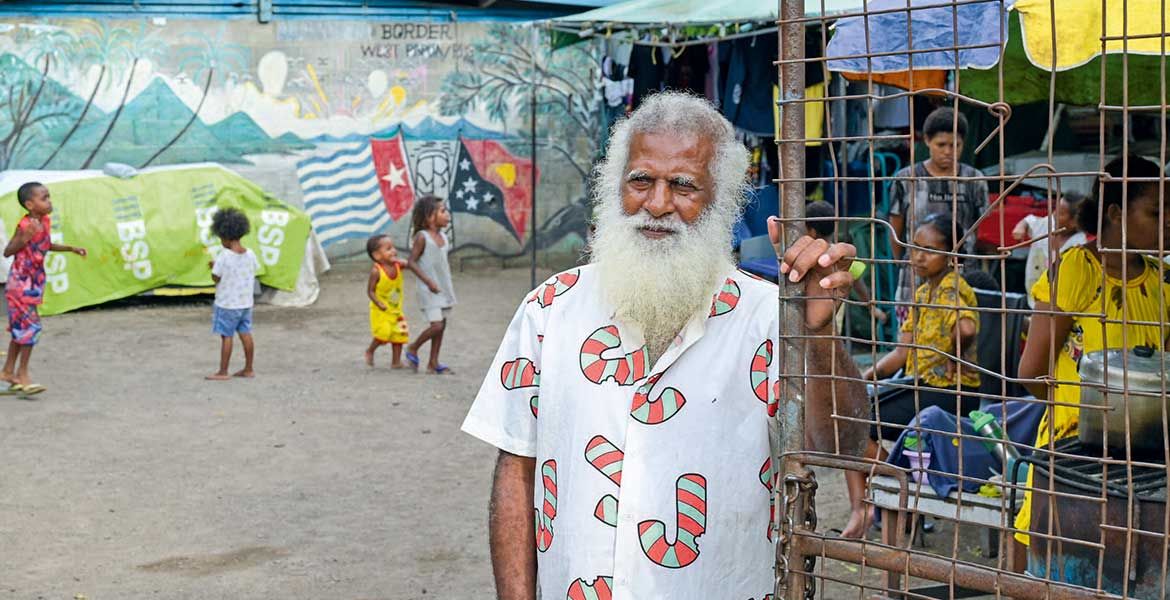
x=132 y=477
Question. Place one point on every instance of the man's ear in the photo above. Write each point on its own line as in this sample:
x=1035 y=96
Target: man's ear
x=1113 y=214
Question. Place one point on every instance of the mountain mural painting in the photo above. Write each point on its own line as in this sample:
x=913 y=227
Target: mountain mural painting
x=300 y=109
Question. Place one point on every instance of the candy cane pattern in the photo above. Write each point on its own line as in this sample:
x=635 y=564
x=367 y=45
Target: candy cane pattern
x=600 y=589
x=692 y=522
x=769 y=477
x=607 y=510
x=624 y=371
x=658 y=410
x=726 y=299
x=519 y=373
x=548 y=512
x=555 y=287
x=759 y=372
x=607 y=459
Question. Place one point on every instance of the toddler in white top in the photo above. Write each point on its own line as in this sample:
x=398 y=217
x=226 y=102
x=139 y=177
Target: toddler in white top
x=234 y=272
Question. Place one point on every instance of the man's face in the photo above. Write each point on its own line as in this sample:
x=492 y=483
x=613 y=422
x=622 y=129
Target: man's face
x=668 y=175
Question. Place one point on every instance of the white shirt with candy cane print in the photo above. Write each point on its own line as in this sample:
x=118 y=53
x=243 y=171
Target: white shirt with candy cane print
x=652 y=481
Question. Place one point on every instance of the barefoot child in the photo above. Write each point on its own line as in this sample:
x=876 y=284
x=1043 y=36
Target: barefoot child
x=234 y=272
x=428 y=253
x=387 y=323
x=26 y=283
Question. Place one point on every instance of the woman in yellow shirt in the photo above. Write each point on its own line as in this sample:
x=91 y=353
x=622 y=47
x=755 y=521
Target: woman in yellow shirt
x=1088 y=282
x=940 y=324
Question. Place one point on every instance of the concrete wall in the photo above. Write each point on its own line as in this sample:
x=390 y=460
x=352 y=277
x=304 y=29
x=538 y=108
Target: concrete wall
x=349 y=119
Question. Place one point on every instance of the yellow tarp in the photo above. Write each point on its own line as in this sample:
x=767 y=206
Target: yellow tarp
x=1079 y=29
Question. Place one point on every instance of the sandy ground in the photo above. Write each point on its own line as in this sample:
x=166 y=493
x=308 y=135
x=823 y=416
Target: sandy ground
x=134 y=478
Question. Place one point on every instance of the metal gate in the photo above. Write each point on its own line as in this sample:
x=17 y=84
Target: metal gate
x=1047 y=398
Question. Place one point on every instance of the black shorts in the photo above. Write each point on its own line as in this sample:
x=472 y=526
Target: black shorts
x=894 y=410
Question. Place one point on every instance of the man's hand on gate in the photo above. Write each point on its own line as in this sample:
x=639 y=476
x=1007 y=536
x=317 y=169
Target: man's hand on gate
x=823 y=267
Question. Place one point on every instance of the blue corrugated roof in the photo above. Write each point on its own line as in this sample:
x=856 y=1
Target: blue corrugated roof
x=505 y=10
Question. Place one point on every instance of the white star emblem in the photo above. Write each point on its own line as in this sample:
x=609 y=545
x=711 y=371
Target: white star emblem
x=464 y=165
x=469 y=185
x=472 y=202
x=459 y=194
x=487 y=198
x=396 y=176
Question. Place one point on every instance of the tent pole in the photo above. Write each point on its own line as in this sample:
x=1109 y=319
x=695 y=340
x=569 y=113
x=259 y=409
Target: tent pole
x=532 y=171
x=792 y=578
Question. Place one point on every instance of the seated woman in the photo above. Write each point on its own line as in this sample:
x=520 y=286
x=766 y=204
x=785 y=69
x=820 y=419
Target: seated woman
x=939 y=324
x=1124 y=285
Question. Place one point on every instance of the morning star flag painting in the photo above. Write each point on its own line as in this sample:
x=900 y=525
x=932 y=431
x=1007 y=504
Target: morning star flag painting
x=393 y=174
x=491 y=182
x=343 y=192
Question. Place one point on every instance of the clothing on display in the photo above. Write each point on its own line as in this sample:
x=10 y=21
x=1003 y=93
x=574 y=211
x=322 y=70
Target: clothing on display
x=748 y=62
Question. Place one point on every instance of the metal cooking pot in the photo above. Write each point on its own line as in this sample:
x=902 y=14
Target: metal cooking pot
x=1105 y=376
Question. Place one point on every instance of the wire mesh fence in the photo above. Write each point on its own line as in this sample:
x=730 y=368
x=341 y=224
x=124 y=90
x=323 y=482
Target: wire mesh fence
x=1000 y=167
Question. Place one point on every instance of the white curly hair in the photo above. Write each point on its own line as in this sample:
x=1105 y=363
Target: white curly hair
x=659 y=284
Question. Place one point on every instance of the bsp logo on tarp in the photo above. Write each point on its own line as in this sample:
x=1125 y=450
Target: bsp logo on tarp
x=135 y=251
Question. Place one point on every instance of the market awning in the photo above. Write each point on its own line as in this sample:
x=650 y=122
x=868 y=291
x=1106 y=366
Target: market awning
x=699 y=12
x=1024 y=45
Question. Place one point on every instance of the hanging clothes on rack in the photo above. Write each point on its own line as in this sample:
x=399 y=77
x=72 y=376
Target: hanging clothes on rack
x=750 y=63
x=648 y=71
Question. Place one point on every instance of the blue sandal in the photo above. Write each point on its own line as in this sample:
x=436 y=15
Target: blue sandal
x=412 y=359
x=441 y=369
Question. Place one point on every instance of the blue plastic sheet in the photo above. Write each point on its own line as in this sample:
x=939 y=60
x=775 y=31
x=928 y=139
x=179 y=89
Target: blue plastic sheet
x=933 y=28
x=1023 y=418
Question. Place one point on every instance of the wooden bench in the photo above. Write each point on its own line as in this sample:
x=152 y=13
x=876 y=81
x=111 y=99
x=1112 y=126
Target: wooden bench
x=973 y=509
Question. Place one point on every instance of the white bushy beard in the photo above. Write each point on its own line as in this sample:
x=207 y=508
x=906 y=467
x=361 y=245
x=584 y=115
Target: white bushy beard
x=659 y=284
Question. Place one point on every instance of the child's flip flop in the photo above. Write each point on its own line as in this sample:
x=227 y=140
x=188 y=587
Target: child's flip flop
x=412 y=359
x=32 y=389
x=442 y=370
x=12 y=390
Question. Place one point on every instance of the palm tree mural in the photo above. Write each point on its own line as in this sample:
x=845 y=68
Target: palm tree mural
x=208 y=58
x=141 y=46
x=98 y=45
x=29 y=114
x=503 y=70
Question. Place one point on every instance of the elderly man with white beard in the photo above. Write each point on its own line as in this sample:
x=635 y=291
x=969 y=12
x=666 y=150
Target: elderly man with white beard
x=632 y=399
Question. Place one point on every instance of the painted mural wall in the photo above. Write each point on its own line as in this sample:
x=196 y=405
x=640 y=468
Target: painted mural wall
x=349 y=119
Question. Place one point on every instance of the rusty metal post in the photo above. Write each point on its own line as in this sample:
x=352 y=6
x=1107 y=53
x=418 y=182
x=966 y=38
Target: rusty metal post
x=791 y=580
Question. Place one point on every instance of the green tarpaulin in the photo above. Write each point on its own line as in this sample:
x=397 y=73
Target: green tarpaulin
x=1024 y=82
x=700 y=12
x=153 y=230
x=707 y=19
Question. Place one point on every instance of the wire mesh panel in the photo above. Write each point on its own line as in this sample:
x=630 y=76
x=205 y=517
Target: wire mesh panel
x=1000 y=168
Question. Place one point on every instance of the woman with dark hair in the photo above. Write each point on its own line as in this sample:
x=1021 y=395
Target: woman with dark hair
x=940 y=325
x=1110 y=276
x=939 y=184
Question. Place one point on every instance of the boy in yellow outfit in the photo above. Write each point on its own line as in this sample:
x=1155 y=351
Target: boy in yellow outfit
x=387 y=323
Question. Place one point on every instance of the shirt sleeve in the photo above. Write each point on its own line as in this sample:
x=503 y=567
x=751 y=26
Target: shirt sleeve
x=1076 y=283
x=947 y=296
x=978 y=189
x=898 y=195
x=911 y=315
x=506 y=408
x=217 y=266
